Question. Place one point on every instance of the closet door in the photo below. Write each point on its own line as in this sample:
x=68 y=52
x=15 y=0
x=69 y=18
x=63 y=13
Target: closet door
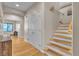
x=34 y=29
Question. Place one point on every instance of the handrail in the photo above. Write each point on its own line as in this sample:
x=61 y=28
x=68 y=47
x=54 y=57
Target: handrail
x=70 y=4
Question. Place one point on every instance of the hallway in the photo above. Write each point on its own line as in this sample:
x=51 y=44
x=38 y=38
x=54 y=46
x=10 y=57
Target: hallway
x=21 y=48
x=40 y=27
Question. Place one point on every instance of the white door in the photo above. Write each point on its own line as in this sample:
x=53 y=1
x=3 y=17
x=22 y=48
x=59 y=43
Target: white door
x=18 y=29
x=34 y=30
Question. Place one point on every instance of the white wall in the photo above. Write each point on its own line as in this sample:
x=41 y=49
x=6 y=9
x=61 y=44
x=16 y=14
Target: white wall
x=1 y=20
x=76 y=28
x=51 y=20
x=64 y=18
x=22 y=28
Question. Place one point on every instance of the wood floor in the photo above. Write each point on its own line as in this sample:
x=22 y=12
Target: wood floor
x=22 y=48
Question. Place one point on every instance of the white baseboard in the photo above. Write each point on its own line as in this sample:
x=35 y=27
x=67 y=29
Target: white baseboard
x=42 y=51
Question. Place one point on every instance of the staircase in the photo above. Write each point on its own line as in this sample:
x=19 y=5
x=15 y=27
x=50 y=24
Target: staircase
x=61 y=42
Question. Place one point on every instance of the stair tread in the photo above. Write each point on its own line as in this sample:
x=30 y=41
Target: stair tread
x=59 y=51
x=63 y=39
x=69 y=40
x=65 y=24
x=62 y=42
x=62 y=36
x=63 y=45
x=64 y=27
x=61 y=30
x=68 y=35
x=50 y=53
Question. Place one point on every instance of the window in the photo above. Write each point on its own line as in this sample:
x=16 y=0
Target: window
x=8 y=27
x=18 y=27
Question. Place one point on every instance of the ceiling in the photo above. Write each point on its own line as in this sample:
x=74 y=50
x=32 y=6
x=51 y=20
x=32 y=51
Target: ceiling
x=64 y=4
x=23 y=5
x=10 y=7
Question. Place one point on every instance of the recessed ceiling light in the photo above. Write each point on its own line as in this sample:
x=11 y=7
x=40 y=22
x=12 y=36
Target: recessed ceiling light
x=17 y=5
